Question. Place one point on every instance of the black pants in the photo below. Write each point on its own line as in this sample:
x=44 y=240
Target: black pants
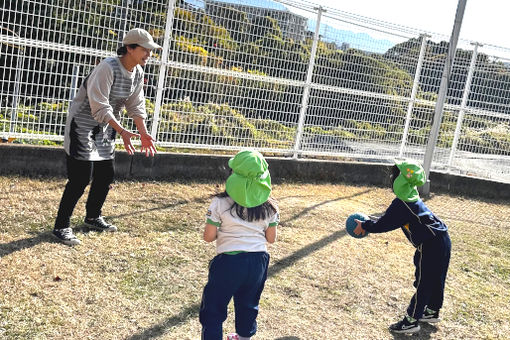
x=431 y=259
x=79 y=174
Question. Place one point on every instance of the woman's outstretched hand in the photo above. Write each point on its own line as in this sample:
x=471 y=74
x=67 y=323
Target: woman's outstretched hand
x=148 y=145
x=126 y=139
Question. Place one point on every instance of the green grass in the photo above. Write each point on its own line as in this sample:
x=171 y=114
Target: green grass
x=146 y=281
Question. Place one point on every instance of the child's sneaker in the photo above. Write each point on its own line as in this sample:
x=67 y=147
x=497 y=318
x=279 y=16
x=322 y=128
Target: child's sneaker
x=430 y=316
x=406 y=326
x=100 y=224
x=66 y=236
x=232 y=336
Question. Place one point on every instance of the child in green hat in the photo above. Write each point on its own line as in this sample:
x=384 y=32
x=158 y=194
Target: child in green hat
x=241 y=220
x=427 y=233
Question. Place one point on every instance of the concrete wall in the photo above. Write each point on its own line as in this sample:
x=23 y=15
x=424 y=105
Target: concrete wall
x=50 y=161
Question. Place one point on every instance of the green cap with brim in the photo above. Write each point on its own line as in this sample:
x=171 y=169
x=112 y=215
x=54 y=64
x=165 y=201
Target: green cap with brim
x=249 y=185
x=412 y=175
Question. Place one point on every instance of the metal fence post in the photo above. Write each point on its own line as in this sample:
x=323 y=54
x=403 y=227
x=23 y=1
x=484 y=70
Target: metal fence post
x=416 y=82
x=74 y=82
x=441 y=96
x=162 y=68
x=306 y=90
x=122 y=11
x=465 y=96
x=20 y=64
x=15 y=97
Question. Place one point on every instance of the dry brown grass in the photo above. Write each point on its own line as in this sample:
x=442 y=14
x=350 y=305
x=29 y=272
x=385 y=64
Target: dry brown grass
x=145 y=281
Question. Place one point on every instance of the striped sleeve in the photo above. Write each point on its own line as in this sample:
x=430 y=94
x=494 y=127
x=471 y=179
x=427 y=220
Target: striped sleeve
x=99 y=85
x=135 y=104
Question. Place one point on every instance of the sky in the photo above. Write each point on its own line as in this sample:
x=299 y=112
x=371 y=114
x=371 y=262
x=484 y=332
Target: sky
x=485 y=21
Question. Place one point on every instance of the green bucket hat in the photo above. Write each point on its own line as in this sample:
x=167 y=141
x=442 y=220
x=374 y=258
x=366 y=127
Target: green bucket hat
x=411 y=177
x=249 y=185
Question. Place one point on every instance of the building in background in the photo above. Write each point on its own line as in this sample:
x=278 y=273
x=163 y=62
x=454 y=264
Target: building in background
x=293 y=26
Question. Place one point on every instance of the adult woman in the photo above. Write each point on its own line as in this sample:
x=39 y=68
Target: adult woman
x=92 y=125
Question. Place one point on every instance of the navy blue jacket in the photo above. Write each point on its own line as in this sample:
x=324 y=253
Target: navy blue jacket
x=415 y=219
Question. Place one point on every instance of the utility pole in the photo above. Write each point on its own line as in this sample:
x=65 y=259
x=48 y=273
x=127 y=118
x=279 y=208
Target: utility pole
x=441 y=96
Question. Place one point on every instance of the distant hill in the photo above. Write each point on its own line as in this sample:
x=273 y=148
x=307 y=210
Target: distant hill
x=360 y=41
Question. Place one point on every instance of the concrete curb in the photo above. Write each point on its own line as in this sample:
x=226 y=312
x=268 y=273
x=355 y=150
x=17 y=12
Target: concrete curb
x=30 y=160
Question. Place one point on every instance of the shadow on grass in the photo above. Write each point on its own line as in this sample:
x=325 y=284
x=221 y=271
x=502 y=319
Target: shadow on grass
x=18 y=245
x=204 y=199
x=193 y=310
x=11 y=247
x=305 y=211
x=160 y=329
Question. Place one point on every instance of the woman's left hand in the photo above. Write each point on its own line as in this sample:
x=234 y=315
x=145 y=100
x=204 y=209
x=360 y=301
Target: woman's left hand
x=147 y=145
x=126 y=136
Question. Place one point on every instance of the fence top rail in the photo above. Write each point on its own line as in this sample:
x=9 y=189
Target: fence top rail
x=25 y=42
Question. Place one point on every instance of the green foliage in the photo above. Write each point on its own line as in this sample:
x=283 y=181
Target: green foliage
x=52 y=113
x=340 y=131
x=495 y=139
x=274 y=134
x=419 y=136
x=265 y=26
x=184 y=21
x=26 y=114
x=234 y=21
x=193 y=52
x=4 y=123
x=214 y=35
x=183 y=122
x=489 y=88
x=30 y=119
x=149 y=107
x=365 y=130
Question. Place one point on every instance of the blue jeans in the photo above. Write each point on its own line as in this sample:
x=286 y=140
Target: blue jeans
x=241 y=276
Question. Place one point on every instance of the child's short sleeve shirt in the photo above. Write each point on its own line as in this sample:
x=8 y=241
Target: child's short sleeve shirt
x=234 y=233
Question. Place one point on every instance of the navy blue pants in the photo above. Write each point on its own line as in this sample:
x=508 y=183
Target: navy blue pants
x=241 y=276
x=78 y=175
x=431 y=260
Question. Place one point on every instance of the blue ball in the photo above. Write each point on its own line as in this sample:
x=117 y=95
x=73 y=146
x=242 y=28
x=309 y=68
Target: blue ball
x=350 y=224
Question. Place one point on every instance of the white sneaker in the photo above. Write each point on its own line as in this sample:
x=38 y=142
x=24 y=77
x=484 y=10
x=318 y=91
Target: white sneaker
x=66 y=236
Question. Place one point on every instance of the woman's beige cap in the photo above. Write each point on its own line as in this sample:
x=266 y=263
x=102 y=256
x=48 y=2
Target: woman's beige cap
x=140 y=37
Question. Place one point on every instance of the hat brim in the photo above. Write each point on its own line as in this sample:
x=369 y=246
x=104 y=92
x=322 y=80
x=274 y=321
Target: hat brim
x=248 y=192
x=150 y=45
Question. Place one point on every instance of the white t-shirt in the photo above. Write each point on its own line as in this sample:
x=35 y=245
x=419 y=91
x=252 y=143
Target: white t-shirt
x=234 y=233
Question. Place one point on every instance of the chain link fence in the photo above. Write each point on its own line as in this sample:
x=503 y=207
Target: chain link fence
x=286 y=77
